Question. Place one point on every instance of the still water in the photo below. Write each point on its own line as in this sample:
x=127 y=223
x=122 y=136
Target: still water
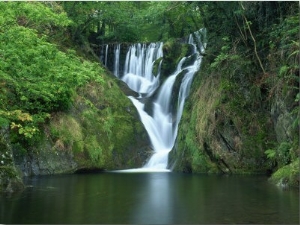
x=150 y=198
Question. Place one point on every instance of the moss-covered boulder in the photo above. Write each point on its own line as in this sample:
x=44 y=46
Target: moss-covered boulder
x=228 y=126
x=218 y=132
x=287 y=176
x=100 y=131
x=223 y=132
x=173 y=51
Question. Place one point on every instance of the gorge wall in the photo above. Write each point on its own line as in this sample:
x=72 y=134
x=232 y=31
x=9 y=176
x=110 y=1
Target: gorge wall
x=235 y=124
x=226 y=127
x=236 y=120
x=100 y=131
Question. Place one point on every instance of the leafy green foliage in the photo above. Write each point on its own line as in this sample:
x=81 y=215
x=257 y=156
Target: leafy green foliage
x=109 y=21
x=106 y=22
x=51 y=21
x=42 y=76
x=254 y=58
x=36 y=78
x=280 y=156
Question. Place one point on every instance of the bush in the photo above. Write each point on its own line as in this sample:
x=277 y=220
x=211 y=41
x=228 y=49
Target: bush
x=36 y=78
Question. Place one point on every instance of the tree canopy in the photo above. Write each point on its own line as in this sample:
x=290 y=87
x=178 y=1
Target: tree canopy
x=105 y=22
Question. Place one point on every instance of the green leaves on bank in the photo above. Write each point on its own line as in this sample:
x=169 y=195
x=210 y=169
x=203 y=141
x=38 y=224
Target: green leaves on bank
x=36 y=77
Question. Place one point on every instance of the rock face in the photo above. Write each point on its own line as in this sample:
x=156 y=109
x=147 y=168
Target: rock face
x=282 y=117
x=10 y=180
x=223 y=132
x=209 y=138
x=106 y=55
x=228 y=123
x=100 y=131
x=43 y=160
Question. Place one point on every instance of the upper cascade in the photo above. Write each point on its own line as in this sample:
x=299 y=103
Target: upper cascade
x=138 y=68
x=162 y=123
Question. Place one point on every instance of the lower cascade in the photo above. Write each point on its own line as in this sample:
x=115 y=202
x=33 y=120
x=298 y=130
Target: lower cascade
x=162 y=122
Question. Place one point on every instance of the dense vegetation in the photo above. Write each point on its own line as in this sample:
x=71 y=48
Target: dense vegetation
x=242 y=116
x=59 y=110
x=107 y=22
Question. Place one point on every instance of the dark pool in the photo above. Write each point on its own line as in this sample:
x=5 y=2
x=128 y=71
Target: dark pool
x=150 y=198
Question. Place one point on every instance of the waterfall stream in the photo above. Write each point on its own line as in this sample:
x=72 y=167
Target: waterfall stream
x=162 y=123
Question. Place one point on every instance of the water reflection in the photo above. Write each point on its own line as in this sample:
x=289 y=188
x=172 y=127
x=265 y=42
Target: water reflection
x=150 y=198
x=155 y=203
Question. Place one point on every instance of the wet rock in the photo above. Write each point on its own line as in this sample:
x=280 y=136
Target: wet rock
x=10 y=180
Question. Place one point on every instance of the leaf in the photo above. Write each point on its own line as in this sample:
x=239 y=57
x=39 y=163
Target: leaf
x=24 y=98
x=15 y=126
x=271 y=153
x=283 y=70
x=3 y=122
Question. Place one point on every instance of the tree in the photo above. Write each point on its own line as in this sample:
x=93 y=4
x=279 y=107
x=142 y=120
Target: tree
x=107 y=22
x=103 y=21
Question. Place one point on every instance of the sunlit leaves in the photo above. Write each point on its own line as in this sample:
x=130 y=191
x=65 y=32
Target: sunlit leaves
x=22 y=123
x=47 y=75
x=32 y=15
x=36 y=78
x=132 y=21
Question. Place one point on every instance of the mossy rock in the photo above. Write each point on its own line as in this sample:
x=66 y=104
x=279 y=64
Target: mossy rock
x=173 y=51
x=221 y=136
x=287 y=176
x=101 y=130
x=10 y=180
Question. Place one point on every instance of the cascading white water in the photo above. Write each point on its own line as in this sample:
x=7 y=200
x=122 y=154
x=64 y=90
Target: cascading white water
x=106 y=51
x=117 y=60
x=162 y=124
x=139 y=66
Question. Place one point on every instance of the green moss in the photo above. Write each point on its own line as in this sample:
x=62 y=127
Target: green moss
x=287 y=176
x=94 y=150
x=196 y=126
x=202 y=164
x=123 y=132
x=67 y=133
x=156 y=66
x=88 y=118
x=10 y=181
x=174 y=51
x=99 y=128
x=216 y=116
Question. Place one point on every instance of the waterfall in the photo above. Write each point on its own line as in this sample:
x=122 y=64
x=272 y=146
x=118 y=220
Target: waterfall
x=162 y=123
x=106 y=51
x=139 y=66
x=117 y=60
